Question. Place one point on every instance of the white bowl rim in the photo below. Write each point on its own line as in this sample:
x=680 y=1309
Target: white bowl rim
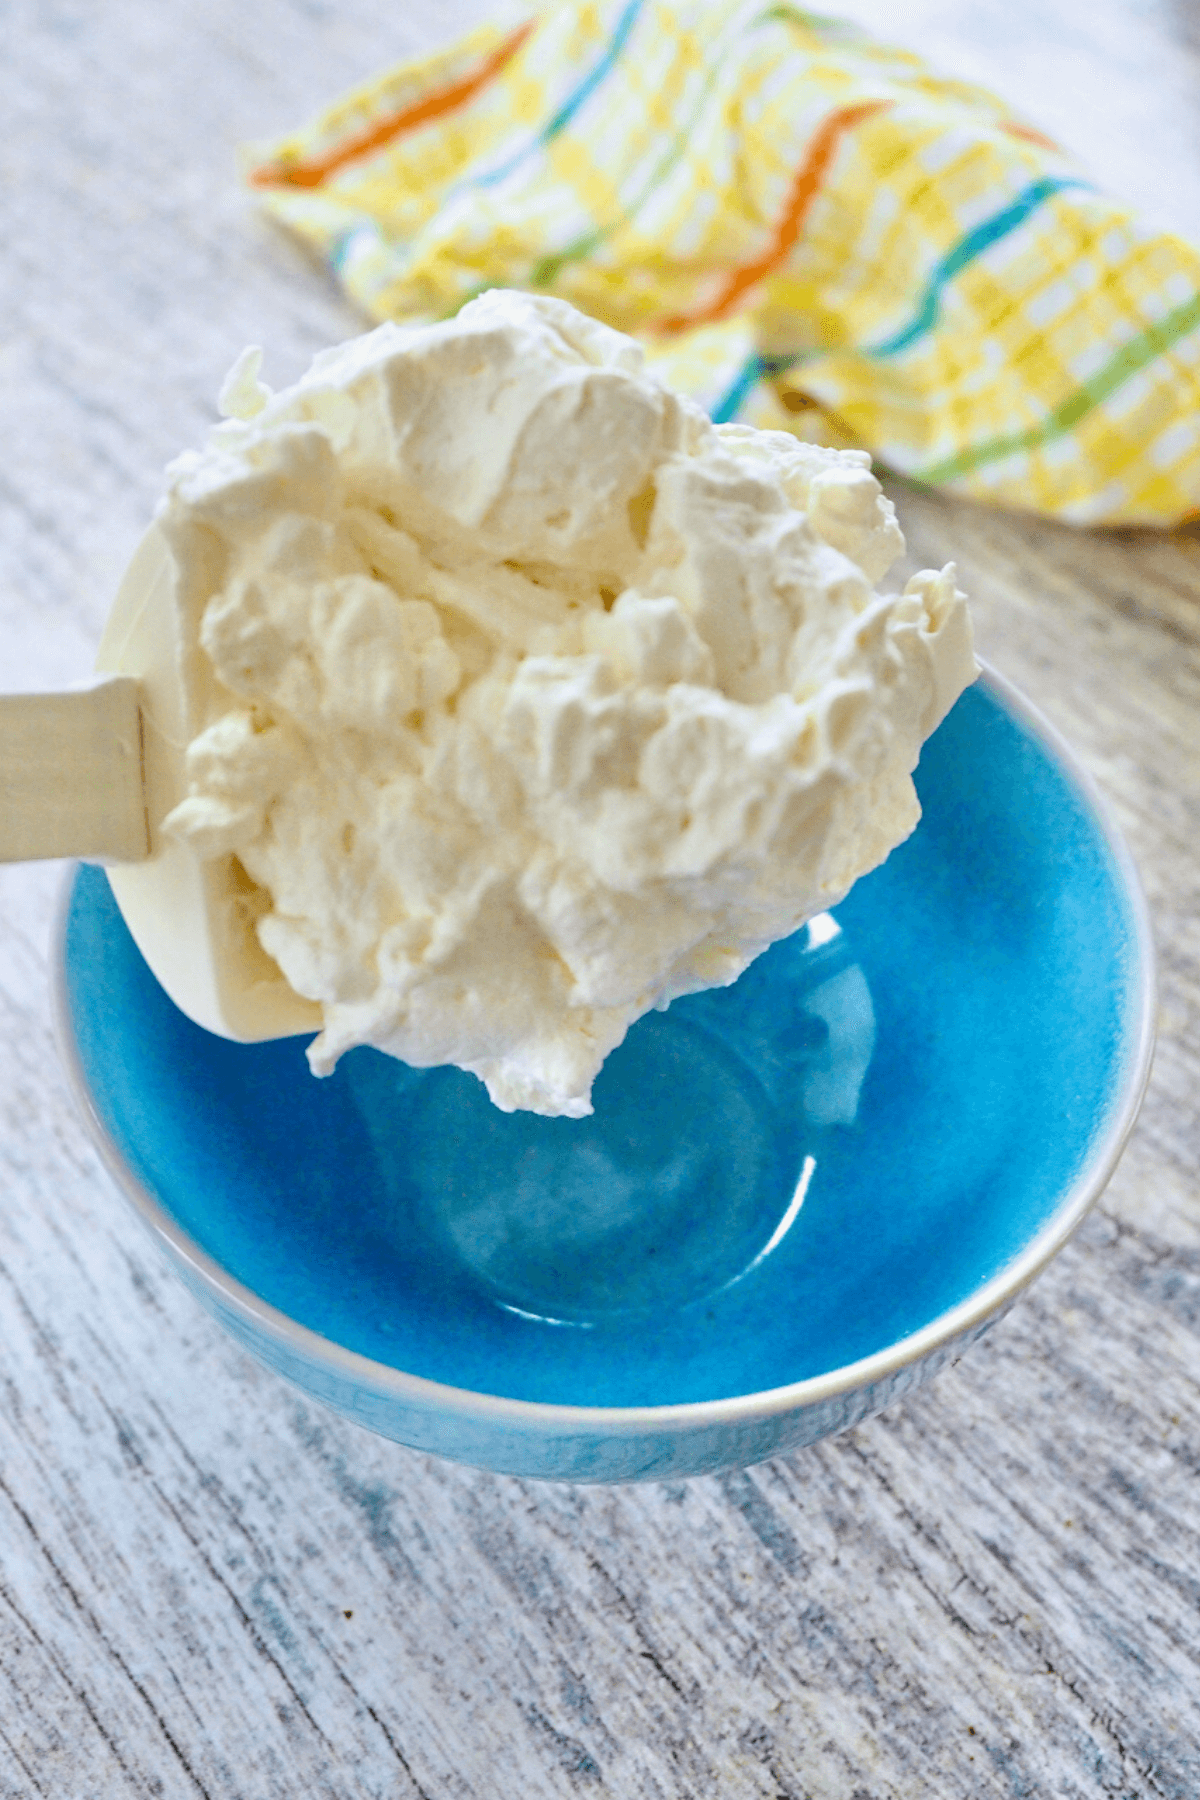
x=556 y=1419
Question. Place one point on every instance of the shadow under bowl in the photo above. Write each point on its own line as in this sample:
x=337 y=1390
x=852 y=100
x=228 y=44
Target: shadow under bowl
x=798 y=1196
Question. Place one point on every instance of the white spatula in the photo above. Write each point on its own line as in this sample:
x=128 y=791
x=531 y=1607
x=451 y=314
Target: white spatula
x=93 y=772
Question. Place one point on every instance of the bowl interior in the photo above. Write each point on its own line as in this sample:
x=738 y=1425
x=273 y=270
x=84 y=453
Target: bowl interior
x=782 y=1177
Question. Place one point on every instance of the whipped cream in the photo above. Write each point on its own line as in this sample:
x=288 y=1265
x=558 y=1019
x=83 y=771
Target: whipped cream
x=530 y=699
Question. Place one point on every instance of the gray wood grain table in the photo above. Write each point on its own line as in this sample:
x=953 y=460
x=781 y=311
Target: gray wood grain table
x=209 y=1586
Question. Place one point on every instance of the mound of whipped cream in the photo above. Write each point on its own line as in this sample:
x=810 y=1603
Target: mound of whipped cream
x=534 y=699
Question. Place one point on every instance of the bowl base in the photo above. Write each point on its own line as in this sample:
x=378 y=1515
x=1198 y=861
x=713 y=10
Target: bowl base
x=691 y=1170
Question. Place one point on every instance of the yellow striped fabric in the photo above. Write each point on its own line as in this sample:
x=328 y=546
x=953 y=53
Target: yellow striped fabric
x=807 y=230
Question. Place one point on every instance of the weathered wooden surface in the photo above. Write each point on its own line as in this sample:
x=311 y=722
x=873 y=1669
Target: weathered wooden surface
x=208 y=1587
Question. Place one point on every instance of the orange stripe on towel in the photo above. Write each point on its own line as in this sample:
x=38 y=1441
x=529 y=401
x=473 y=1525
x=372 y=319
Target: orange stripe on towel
x=432 y=106
x=804 y=189
x=1029 y=134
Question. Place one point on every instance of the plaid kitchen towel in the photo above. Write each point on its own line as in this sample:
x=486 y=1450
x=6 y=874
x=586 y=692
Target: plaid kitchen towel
x=806 y=229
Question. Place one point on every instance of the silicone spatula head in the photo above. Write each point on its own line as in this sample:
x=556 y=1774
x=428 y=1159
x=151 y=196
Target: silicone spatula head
x=193 y=921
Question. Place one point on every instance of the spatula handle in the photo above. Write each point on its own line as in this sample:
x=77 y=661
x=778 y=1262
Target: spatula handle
x=71 y=774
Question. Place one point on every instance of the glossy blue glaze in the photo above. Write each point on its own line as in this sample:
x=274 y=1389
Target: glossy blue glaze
x=782 y=1178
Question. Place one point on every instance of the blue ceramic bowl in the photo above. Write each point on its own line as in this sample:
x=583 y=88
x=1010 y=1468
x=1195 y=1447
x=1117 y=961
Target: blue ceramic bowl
x=798 y=1197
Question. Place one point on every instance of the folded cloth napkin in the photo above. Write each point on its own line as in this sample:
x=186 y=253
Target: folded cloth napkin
x=807 y=230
